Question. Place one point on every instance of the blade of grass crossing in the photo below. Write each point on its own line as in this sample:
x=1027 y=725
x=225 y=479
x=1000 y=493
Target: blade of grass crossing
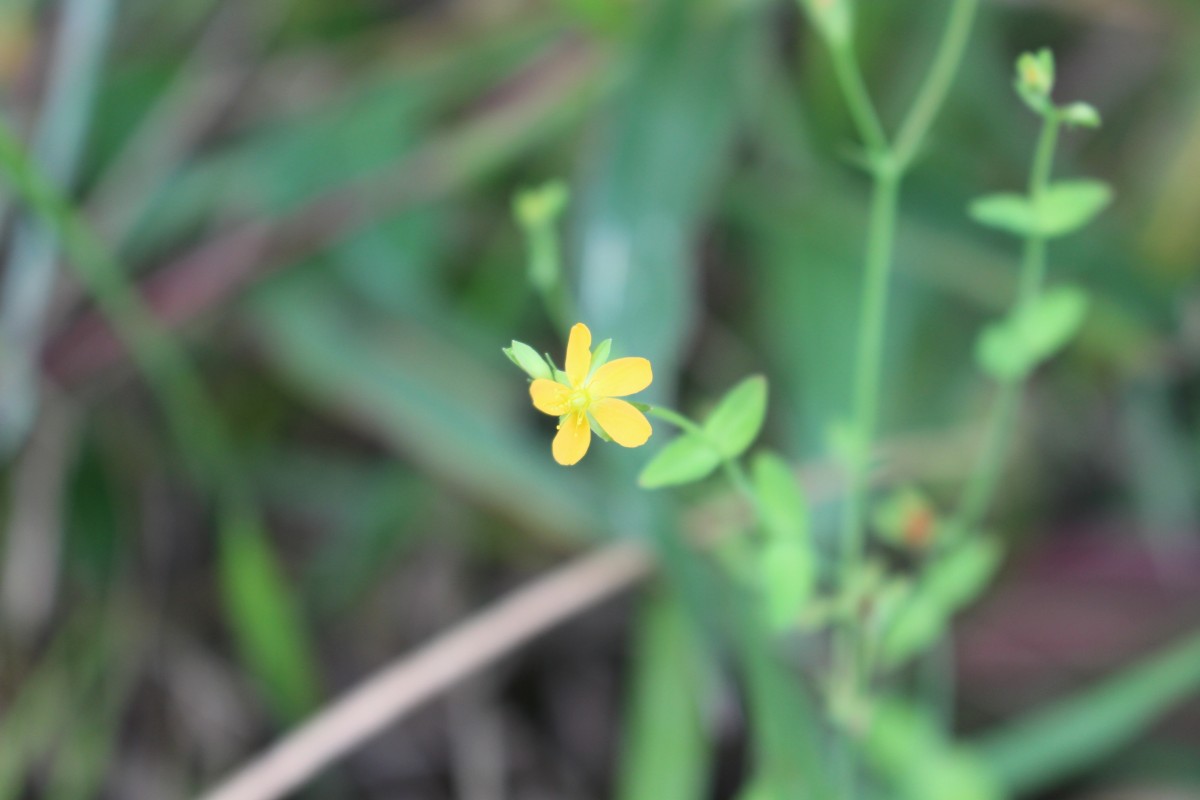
x=1055 y=742
x=667 y=748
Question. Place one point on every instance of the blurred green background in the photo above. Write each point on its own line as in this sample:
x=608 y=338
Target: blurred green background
x=314 y=198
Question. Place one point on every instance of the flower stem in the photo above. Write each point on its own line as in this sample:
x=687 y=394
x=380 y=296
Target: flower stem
x=984 y=479
x=732 y=467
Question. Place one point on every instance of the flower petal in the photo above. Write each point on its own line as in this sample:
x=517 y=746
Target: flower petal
x=626 y=425
x=549 y=397
x=571 y=442
x=621 y=377
x=579 y=354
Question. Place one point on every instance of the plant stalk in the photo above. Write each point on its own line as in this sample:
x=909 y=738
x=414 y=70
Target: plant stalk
x=985 y=477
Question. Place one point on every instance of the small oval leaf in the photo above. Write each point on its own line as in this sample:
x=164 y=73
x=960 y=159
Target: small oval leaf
x=918 y=623
x=1067 y=206
x=961 y=575
x=735 y=422
x=1049 y=323
x=1007 y=212
x=1064 y=207
x=1000 y=353
x=784 y=510
x=788 y=576
x=689 y=458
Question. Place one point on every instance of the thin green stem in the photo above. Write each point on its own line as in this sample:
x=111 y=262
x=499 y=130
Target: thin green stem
x=985 y=477
x=889 y=164
x=732 y=467
x=936 y=85
x=869 y=361
x=676 y=419
x=858 y=99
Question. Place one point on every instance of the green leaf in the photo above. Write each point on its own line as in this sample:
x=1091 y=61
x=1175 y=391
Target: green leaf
x=1035 y=752
x=265 y=618
x=1011 y=349
x=919 y=621
x=788 y=578
x=666 y=747
x=1000 y=353
x=1048 y=324
x=689 y=458
x=735 y=422
x=784 y=509
x=961 y=575
x=1007 y=212
x=1066 y=206
x=906 y=747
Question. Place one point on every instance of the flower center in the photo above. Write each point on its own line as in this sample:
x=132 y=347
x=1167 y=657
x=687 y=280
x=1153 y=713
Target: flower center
x=579 y=400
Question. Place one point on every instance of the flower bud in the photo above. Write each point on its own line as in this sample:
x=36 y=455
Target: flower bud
x=540 y=206
x=1035 y=79
x=1082 y=115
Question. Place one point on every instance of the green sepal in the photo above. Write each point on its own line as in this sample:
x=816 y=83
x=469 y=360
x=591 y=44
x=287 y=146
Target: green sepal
x=528 y=360
x=596 y=429
x=600 y=355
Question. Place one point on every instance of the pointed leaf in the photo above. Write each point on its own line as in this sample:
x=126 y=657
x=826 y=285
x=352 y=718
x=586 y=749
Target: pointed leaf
x=1007 y=212
x=735 y=422
x=1048 y=324
x=1067 y=206
x=265 y=618
x=1000 y=353
x=689 y=458
x=961 y=575
x=919 y=622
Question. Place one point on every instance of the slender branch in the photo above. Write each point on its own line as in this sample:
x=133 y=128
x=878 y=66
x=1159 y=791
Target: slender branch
x=858 y=99
x=869 y=361
x=985 y=477
x=936 y=85
x=447 y=660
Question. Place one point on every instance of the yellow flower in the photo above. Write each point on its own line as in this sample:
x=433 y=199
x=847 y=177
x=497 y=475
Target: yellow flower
x=595 y=394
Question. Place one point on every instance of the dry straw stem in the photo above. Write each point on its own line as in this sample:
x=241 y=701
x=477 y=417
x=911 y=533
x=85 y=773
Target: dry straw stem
x=434 y=668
